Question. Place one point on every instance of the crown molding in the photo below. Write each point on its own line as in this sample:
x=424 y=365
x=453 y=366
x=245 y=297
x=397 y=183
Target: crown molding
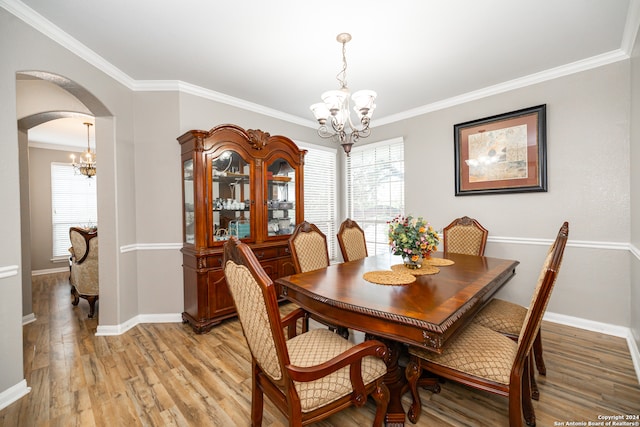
x=46 y=27
x=531 y=79
x=631 y=27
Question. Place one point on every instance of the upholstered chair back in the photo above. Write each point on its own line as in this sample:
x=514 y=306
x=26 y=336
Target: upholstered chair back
x=252 y=311
x=544 y=287
x=352 y=241
x=465 y=236
x=308 y=247
x=84 y=267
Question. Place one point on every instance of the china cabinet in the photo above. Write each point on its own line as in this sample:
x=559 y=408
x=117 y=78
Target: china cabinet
x=235 y=182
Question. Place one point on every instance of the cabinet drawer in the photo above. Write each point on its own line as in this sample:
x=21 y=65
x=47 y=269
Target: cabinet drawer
x=284 y=251
x=214 y=261
x=265 y=253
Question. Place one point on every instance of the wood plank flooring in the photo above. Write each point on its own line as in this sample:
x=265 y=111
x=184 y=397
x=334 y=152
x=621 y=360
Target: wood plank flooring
x=166 y=375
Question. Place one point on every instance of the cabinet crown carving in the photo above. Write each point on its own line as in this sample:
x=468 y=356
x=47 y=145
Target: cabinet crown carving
x=258 y=139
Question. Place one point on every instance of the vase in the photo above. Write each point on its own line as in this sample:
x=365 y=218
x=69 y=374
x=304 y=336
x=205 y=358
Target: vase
x=409 y=263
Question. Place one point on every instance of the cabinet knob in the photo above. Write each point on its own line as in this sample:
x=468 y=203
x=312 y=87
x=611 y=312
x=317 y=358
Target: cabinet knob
x=260 y=255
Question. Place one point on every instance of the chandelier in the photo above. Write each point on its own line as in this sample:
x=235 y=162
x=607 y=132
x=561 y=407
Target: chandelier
x=334 y=108
x=87 y=162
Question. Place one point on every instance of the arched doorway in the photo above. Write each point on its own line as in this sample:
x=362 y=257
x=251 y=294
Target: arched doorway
x=43 y=97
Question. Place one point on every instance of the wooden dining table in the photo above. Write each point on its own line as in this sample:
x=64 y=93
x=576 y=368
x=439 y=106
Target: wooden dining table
x=426 y=313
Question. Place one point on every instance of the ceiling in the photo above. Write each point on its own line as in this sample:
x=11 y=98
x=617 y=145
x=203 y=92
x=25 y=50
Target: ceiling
x=278 y=56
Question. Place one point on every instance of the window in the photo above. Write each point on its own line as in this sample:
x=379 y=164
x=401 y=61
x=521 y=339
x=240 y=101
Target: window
x=320 y=191
x=375 y=189
x=73 y=204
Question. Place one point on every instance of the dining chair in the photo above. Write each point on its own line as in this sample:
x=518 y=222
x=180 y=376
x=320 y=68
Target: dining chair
x=307 y=376
x=507 y=318
x=465 y=236
x=487 y=360
x=352 y=241
x=84 y=266
x=308 y=247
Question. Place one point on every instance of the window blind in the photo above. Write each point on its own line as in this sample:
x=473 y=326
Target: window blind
x=375 y=189
x=73 y=204
x=320 y=191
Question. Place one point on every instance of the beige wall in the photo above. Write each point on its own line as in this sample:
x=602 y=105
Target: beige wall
x=39 y=180
x=588 y=176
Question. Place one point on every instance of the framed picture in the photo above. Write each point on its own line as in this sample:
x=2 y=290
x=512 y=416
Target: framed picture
x=506 y=153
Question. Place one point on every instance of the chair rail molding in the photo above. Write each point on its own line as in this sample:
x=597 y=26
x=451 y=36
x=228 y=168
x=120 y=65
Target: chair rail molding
x=619 y=246
x=150 y=247
x=8 y=271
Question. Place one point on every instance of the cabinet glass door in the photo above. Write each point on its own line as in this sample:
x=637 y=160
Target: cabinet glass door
x=280 y=198
x=188 y=191
x=231 y=196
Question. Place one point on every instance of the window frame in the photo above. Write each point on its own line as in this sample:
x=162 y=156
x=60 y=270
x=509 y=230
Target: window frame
x=329 y=225
x=77 y=203
x=384 y=209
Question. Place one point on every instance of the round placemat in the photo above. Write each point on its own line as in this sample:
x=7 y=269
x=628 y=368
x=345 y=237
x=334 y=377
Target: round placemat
x=439 y=262
x=425 y=269
x=386 y=277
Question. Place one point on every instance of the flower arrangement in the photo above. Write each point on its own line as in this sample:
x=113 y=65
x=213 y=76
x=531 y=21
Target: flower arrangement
x=412 y=237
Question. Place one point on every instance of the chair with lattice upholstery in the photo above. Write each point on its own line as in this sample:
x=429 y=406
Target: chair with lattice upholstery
x=352 y=241
x=84 y=266
x=487 y=360
x=309 y=376
x=465 y=236
x=507 y=318
x=308 y=247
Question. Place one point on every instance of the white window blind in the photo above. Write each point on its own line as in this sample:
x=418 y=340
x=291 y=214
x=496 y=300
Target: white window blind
x=320 y=191
x=375 y=189
x=73 y=204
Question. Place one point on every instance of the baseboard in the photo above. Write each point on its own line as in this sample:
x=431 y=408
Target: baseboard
x=29 y=318
x=106 y=330
x=604 y=328
x=13 y=394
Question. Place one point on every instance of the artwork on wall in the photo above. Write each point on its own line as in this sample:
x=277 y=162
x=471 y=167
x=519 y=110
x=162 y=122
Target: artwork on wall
x=505 y=153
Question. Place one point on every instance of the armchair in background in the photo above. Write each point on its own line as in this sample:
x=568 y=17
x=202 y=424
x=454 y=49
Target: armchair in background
x=84 y=266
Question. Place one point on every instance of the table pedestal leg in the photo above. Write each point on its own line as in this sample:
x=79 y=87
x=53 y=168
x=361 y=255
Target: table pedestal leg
x=396 y=382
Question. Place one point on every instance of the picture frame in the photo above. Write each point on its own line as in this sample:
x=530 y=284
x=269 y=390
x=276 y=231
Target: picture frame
x=505 y=153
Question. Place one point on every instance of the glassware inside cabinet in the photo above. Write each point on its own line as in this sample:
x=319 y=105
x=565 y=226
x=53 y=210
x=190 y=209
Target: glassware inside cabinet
x=188 y=191
x=281 y=198
x=231 y=196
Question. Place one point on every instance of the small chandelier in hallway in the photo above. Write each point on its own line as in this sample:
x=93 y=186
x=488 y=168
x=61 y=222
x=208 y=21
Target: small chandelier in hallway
x=87 y=162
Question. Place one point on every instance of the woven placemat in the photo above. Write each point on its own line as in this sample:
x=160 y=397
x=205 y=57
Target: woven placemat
x=386 y=277
x=425 y=269
x=439 y=262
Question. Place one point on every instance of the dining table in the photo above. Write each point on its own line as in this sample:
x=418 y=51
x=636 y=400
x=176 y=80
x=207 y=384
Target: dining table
x=437 y=302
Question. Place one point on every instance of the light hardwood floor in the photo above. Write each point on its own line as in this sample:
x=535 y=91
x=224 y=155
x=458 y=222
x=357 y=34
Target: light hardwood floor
x=166 y=375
